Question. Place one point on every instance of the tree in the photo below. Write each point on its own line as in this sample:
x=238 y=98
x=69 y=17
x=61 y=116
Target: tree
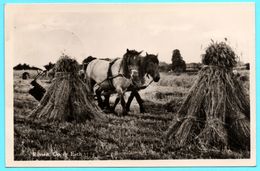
x=25 y=67
x=18 y=67
x=178 y=64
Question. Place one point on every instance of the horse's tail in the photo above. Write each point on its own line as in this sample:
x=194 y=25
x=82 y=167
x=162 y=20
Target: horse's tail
x=90 y=83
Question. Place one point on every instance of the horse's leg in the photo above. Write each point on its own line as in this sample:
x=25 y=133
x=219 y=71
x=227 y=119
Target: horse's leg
x=106 y=103
x=120 y=93
x=134 y=93
x=124 y=112
x=139 y=101
x=129 y=101
x=115 y=104
x=99 y=99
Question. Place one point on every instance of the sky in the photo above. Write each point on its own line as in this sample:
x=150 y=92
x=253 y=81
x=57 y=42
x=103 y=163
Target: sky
x=38 y=34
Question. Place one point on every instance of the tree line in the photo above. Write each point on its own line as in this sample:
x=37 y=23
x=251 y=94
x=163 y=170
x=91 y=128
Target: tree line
x=25 y=67
x=178 y=64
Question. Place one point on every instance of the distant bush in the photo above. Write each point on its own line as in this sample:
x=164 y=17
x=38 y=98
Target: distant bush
x=25 y=67
x=164 y=67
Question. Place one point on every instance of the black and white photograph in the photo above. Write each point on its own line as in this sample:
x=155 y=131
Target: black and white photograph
x=127 y=85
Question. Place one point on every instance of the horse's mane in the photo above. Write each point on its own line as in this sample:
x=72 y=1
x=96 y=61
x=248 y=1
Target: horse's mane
x=105 y=59
x=125 y=61
x=86 y=61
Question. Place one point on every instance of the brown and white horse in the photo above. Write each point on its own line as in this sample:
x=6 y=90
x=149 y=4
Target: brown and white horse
x=116 y=75
x=148 y=66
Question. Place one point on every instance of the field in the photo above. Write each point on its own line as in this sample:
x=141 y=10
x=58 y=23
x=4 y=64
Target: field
x=136 y=136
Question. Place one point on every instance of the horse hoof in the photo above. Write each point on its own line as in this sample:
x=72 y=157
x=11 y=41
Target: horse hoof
x=142 y=111
x=114 y=112
x=107 y=111
x=124 y=113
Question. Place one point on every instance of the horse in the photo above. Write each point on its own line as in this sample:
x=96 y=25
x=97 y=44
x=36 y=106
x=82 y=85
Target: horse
x=149 y=66
x=112 y=75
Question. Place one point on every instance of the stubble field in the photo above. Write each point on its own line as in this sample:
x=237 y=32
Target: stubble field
x=135 y=136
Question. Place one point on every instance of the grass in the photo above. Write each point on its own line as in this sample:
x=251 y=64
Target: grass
x=136 y=136
x=18 y=73
x=180 y=80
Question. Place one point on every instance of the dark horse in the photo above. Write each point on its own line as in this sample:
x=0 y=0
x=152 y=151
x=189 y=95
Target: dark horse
x=148 y=66
x=113 y=75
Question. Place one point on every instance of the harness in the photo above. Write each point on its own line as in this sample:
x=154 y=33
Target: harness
x=110 y=76
x=136 y=87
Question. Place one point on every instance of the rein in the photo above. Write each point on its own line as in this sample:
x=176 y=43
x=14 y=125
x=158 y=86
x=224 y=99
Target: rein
x=142 y=87
x=149 y=83
x=109 y=79
x=137 y=88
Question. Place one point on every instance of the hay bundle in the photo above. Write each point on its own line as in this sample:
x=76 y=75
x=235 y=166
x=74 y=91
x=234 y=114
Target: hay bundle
x=216 y=112
x=219 y=54
x=68 y=98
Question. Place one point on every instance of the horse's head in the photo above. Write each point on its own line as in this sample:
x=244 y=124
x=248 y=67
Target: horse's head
x=130 y=63
x=151 y=66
